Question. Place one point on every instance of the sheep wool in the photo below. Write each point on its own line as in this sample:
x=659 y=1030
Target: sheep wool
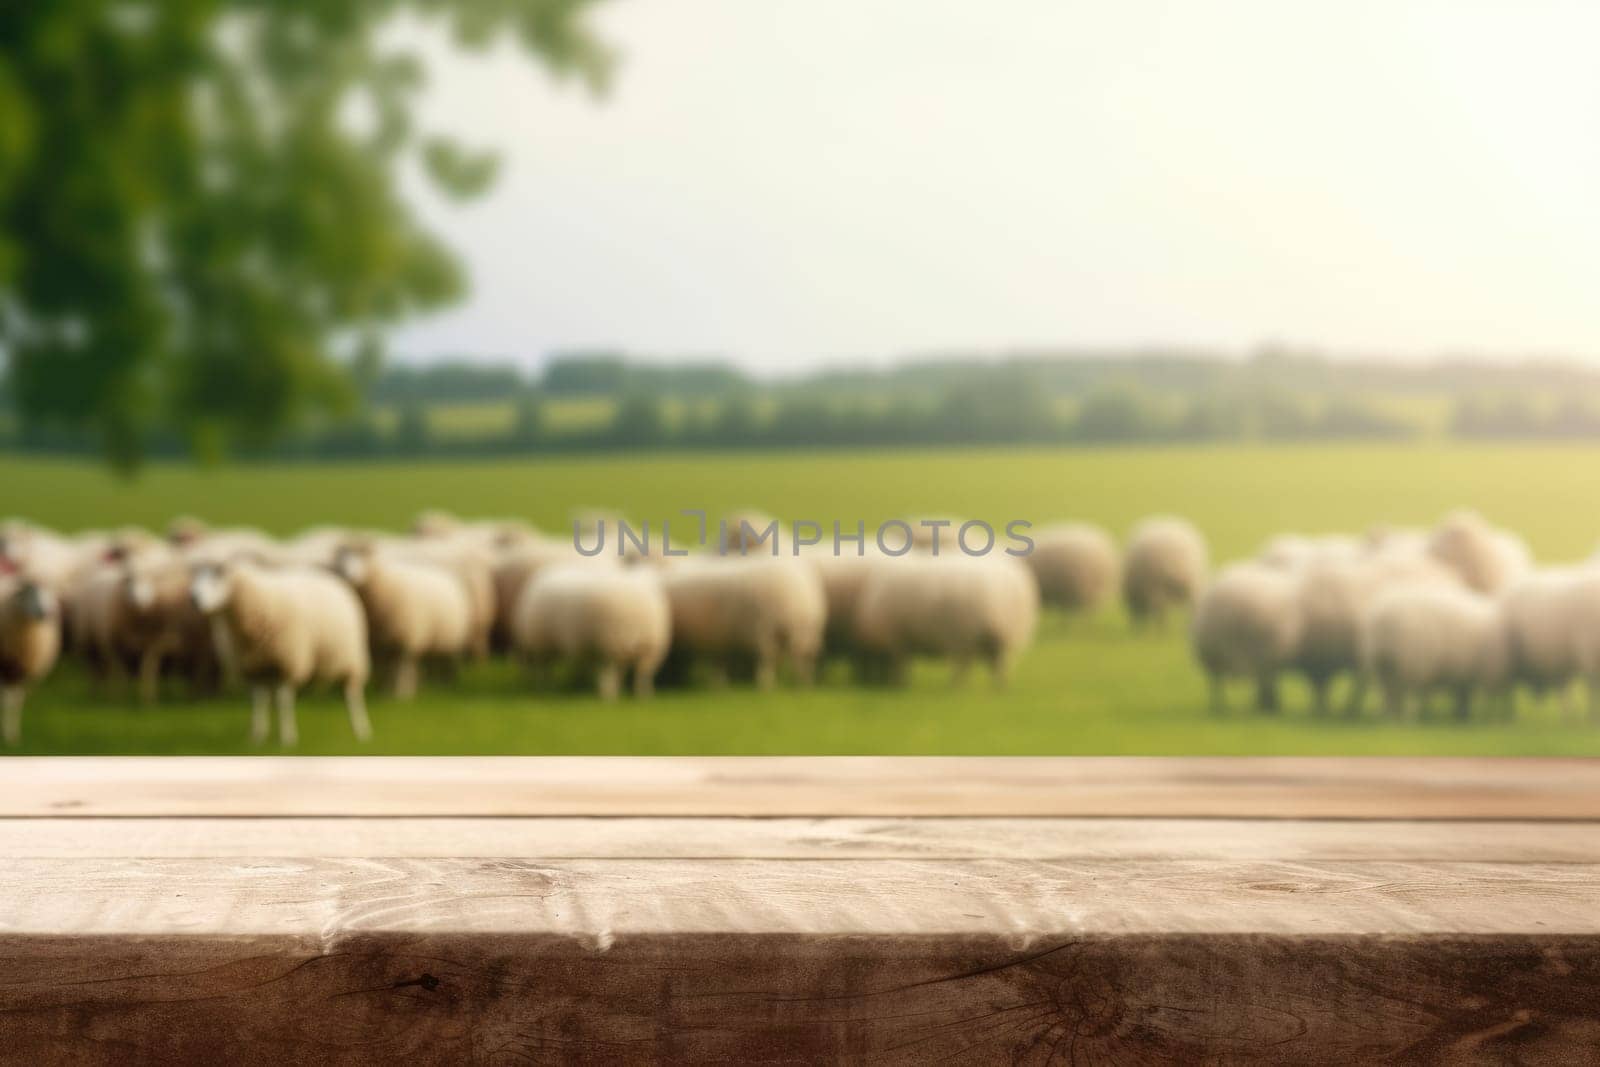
x=1076 y=565
x=1247 y=624
x=288 y=628
x=959 y=608
x=1164 y=568
x=30 y=640
x=615 y=620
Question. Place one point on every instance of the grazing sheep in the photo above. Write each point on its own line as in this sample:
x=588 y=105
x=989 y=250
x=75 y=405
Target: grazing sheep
x=30 y=640
x=1076 y=566
x=1164 y=568
x=1488 y=559
x=760 y=611
x=515 y=566
x=1247 y=623
x=613 y=620
x=134 y=616
x=1420 y=638
x=472 y=564
x=1553 y=626
x=959 y=608
x=415 y=610
x=288 y=628
x=843 y=577
x=1334 y=595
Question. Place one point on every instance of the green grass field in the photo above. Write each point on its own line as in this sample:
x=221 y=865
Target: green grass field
x=1086 y=686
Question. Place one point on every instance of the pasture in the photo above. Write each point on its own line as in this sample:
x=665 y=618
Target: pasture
x=1087 y=686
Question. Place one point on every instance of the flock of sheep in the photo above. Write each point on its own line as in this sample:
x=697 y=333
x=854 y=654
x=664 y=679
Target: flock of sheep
x=1458 y=608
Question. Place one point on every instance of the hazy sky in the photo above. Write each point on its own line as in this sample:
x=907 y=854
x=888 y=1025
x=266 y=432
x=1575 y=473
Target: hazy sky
x=786 y=182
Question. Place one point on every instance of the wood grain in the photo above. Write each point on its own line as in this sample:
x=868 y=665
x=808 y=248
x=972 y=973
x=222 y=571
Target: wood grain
x=1289 y=788
x=616 y=911
x=558 y=837
x=783 y=999
x=1026 y=901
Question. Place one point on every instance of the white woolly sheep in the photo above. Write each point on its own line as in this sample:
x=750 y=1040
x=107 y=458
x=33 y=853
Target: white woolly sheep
x=1488 y=560
x=515 y=566
x=415 y=610
x=1553 y=627
x=615 y=621
x=1164 y=568
x=136 y=615
x=287 y=628
x=1420 y=638
x=959 y=608
x=1076 y=565
x=1247 y=624
x=760 y=610
x=473 y=565
x=30 y=640
x=1334 y=595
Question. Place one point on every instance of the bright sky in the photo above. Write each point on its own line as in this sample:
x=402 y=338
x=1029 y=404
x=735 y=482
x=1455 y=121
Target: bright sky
x=786 y=183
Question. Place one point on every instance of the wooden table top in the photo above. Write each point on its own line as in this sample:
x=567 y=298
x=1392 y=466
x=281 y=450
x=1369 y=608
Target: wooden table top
x=893 y=910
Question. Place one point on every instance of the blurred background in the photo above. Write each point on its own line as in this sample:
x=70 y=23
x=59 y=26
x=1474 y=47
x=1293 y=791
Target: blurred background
x=1275 y=269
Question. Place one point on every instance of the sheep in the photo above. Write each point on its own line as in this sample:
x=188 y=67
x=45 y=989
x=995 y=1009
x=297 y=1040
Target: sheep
x=616 y=620
x=844 y=576
x=957 y=607
x=514 y=567
x=203 y=543
x=1553 y=627
x=415 y=610
x=1418 y=638
x=288 y=627
x=760 y=610
x=1076 y=565
x=1334 y=594
x=1164 y=568
x=1247 y=623
x=472 y=564
x=30 y=641
x=136 y=614
x=1489 y=560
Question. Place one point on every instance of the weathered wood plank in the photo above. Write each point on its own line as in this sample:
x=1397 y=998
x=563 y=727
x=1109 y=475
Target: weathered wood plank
x=558 y=837
x=744 y=998
x=595 y=901
x=1376 y=788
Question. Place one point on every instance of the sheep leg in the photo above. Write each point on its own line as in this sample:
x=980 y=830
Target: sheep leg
x=288 y=732
x=958 y=671
x=11 y=698
x=1594 y=697
x=1267 y=694
x=405 y=678
x=260 y=714
x=644 y=678
x=608 y=680
x=1219 y=694
x=1463 y=702
x=1569 y=710
x=355 y=703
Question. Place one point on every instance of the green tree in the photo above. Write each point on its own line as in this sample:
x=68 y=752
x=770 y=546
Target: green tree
x=200 y=215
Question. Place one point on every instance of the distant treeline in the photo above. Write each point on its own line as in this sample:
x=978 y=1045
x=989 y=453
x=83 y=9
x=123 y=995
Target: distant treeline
x=1067 y=398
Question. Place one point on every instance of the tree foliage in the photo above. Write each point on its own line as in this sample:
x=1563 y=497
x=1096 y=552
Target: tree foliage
x=200 y=216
